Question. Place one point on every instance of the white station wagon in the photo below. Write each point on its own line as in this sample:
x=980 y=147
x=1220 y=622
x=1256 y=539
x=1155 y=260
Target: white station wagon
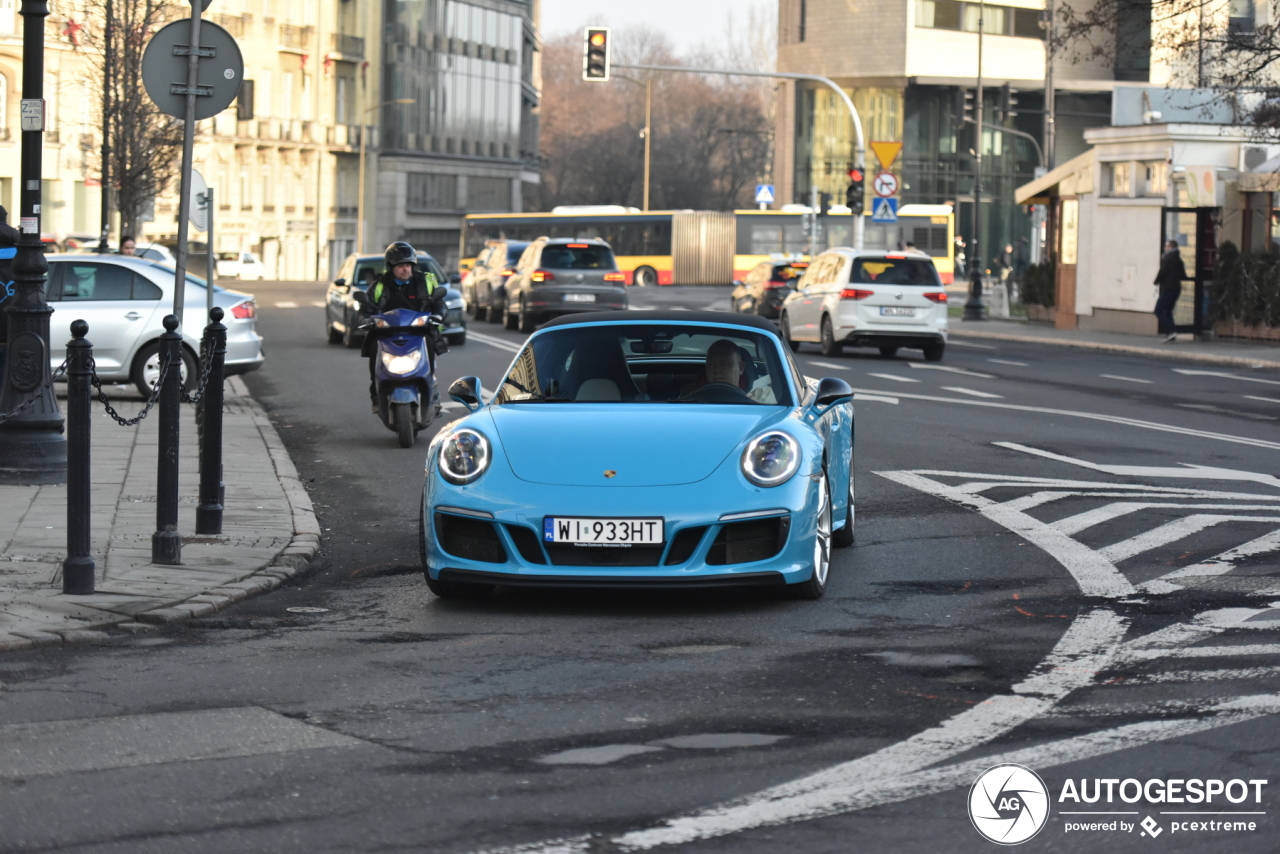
x=860 y=298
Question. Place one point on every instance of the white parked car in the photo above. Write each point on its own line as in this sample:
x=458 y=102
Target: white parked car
x=240 y=265
x=124 y=300
x=864 y=298
x=150 y=251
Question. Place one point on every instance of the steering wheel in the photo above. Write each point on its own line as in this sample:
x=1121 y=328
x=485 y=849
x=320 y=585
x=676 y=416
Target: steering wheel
x=718 y=392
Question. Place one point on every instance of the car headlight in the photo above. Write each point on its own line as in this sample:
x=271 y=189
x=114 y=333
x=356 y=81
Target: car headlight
x=770 y=459
x=402 y=364
x=464 y=456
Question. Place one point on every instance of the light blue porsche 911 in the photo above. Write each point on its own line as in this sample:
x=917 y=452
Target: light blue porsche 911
x=669 y=449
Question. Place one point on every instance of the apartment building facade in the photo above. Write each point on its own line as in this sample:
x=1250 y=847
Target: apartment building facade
x=903 y=63
x=444 y=92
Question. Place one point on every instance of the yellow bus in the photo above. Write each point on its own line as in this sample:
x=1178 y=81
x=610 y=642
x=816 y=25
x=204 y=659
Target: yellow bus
x=710 y=247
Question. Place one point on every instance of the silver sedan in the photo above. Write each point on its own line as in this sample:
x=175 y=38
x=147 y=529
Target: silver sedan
x=124 y=300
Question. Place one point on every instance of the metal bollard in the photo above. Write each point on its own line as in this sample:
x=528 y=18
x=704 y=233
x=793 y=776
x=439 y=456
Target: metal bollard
x=166 y=542
x=78 y=569
x=209 y=511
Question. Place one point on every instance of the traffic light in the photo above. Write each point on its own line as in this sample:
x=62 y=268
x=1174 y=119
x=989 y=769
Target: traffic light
x=856 y=192
x=1007 y=105
x=824 y=203
x=962 y=108
x=595 y=54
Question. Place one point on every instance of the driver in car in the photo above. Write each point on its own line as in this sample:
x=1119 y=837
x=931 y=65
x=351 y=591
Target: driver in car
x=725 y=365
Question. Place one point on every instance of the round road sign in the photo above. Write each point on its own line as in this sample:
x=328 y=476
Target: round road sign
x=219 y=75
x=885 y=185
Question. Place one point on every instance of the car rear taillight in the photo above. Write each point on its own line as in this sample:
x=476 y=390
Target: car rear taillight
x=542 y=276
x=855 y=293
x=615 y=277
x=245 y=310
x=506 y=273
x=775 y=283
x=939 y=296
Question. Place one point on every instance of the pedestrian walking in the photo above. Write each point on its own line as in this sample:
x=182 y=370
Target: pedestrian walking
x=1003 y=266
x=1021 y=261
x=961 y=269
x=1169 y=281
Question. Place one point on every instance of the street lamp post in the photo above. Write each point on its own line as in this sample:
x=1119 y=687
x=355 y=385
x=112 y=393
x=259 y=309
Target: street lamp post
x=32 y=447
x=973 y=307
x=106 y=131
x=364 y=132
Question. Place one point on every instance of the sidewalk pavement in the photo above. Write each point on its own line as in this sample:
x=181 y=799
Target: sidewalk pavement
x=269 y=531
x=1220 y=351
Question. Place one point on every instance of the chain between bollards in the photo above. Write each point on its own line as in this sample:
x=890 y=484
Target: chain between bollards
x=166 y=542
x=78 y=569
x=209 y=511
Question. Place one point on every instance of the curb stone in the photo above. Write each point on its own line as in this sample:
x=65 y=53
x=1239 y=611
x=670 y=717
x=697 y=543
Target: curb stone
x=1170 y=353
x=292 y=561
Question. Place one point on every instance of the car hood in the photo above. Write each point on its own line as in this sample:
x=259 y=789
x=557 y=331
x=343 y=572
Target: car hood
x=645 y=444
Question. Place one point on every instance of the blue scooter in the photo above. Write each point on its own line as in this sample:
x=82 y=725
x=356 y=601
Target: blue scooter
x=402 y=369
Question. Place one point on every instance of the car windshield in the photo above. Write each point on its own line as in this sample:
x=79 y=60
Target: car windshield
x=893 y=270
x=228 y=256
x=786 y=272
x=648 y=363
x=577 y=256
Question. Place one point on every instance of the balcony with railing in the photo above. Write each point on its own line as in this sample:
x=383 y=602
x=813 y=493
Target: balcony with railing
x=294 y=37
x=348 y=46
x=237 y=25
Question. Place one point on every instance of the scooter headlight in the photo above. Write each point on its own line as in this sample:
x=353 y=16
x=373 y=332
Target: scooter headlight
x=402 y=364
x=464 y=456
x=420 y=320
x=770 y=459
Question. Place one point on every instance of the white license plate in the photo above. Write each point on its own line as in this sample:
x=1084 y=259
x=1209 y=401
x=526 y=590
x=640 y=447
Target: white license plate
x=602 y=532
x=579 y=297
x=894 y=311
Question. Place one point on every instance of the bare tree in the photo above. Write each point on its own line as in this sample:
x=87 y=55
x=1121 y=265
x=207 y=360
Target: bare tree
x=145 y=143
x=1221 y=46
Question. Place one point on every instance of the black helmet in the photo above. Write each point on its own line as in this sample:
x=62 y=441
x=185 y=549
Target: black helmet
x=400 y=253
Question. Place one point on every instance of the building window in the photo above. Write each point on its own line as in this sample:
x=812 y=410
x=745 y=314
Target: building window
x=1242 y=17
x=993 y=19
x=1157 y=178
x=489 y=194
x=963 y=16
x=1121 y=179
x=804 y=15
x=425 y=192
x=4 y=103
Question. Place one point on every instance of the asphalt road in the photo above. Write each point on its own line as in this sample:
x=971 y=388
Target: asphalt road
x=1065 y=559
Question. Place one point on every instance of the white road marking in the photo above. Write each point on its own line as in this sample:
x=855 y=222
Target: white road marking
x=318 y=303
x=831 y=365
x=1009 y=362
x=882 y=398
x=1207 y=407
x=962 y=390
x=1223 y=675
x=286 y=304
x=1194 y=373
x=1190 y=471
x=924 y=367
x=954 y=343
x=500 y=343
x=1263 y=399
x=1098 y=515
x=895 y=378
x=1125 y=379
x=1087 y=647
x=1171 y=532
x=1092 y=416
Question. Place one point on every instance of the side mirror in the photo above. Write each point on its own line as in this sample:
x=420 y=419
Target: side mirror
x=737 y=283
x=362 y=299
x=832 y=390
x=455 y=279
x=466 y=390
x=342 y=283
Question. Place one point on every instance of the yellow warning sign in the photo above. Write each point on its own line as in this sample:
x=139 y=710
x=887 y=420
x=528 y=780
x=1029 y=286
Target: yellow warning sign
x=886 y=152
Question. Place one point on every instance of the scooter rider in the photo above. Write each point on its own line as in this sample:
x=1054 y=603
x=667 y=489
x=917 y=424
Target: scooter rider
x=403 y=285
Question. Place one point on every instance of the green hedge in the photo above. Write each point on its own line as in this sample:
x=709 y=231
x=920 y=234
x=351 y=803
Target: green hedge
x=1038 y=284
x=1246 y=288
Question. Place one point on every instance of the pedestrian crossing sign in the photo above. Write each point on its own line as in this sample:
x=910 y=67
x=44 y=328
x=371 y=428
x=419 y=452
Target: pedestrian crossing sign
x=764 y=194
x=884 y=210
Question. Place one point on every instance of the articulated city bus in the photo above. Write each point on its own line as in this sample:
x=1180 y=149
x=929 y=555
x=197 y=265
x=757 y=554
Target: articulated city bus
x=711 y=247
